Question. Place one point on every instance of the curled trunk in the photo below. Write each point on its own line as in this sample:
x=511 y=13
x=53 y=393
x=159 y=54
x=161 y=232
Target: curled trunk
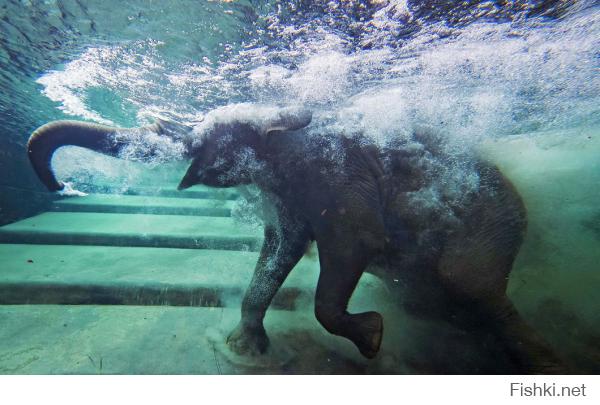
x=107 y=140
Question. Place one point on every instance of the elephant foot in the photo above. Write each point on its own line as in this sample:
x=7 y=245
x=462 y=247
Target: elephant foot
x=368 y=333
x=248 y=341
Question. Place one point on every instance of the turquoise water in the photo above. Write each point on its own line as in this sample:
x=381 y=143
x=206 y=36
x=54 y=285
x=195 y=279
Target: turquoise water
x=518 y=83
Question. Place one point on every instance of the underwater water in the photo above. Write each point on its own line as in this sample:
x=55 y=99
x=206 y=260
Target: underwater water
x=516 y=82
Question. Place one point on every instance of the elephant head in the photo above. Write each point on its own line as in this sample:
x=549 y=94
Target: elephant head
x=225 y=146
x=215 y=145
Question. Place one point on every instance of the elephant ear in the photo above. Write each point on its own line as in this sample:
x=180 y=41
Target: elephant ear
x=288 y=119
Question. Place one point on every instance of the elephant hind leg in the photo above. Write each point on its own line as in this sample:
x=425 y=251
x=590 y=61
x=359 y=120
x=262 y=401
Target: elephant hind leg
x=527 y=348
x=478 y=283
x=340 y=273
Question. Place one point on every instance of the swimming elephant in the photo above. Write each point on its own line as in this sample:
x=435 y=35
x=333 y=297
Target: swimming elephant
x=396 y=210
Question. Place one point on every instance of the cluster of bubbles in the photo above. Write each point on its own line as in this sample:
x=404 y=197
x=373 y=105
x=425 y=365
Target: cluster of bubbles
x=527 y=70
x=383 y=68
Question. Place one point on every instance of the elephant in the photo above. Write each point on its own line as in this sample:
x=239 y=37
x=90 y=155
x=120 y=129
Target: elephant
x=366 y=207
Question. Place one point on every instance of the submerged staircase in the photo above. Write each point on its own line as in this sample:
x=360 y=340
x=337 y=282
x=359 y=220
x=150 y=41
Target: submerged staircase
x=130 y=282
x=137 y=281
x=147 y=247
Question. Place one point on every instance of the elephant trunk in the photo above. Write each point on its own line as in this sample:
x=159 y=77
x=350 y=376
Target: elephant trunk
x=45 y=140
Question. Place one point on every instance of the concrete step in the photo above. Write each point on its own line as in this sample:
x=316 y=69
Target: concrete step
x=134 y=204
x=193 y=192
x=141 y=230
x=60 y=274
x=163 y=190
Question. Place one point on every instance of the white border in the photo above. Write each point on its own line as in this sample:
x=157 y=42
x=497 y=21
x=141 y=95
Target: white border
x=284 y=390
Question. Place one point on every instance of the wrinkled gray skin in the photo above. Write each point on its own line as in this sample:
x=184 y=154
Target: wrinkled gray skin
x=356 y=209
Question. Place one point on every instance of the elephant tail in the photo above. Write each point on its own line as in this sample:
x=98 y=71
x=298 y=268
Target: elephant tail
x=45 y=140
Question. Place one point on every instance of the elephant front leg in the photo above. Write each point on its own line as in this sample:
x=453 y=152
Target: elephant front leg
x=278 y=256
x=342 y=265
